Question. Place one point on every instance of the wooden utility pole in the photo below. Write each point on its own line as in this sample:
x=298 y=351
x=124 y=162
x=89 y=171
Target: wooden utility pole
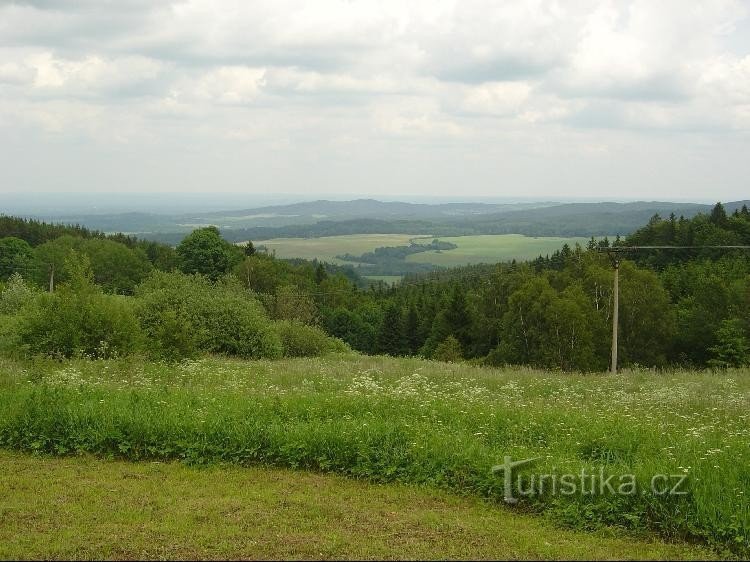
x=52 y=278
x=614 y=253
x=615 y=313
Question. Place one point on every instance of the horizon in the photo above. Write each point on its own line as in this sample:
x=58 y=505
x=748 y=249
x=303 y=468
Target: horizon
x=57 y=205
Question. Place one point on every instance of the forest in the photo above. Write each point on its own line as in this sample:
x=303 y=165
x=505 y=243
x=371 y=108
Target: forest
x=68 y=292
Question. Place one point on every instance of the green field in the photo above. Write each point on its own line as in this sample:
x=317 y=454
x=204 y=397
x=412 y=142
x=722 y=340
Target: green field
x=328 y=247
x=84 y=508
x=471 y=249
x=388 y=279
x=493 y=248
x=410 y=421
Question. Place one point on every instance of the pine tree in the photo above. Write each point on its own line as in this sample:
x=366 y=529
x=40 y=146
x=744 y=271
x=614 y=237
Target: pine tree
x=719 y=215
x=390 y=339
x=411 y=329
x=320 y=274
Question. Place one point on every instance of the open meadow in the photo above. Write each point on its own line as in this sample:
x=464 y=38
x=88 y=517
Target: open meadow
x=493 y=248
x=470 y=249
x=326 y=248
x=410 y=421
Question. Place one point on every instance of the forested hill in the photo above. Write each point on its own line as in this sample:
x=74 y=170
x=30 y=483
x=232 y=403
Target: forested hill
x=37 y=232
x=572 y=219
x=724 y=226
x=368 y=216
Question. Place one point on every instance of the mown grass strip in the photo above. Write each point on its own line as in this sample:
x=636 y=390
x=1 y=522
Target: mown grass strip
x=85 y=508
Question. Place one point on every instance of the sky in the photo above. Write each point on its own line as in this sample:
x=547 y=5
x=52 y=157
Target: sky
x=454 y=99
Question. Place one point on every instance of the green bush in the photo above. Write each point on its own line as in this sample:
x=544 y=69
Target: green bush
x=78 y=319
x=87 y=323
x=15 y=294
x=182 y=314
x=8 y=335
x=449 y=350
x=301 y=340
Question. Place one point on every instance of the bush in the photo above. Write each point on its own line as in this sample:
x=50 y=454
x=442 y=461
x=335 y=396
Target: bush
x=182 y=314
x=8 y=335
x=71 y=324
x=301 y=340
x=78 y=319
x=449 y=350
x=15 y=294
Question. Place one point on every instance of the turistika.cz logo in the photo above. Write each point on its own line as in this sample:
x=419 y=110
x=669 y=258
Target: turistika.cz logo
x=585 y=482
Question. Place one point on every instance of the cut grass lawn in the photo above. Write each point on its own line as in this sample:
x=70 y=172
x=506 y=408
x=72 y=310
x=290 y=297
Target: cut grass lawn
x=85 y=508
x=493 y=248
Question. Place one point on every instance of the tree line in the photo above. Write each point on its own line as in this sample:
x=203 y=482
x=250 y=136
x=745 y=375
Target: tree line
x=684 y=308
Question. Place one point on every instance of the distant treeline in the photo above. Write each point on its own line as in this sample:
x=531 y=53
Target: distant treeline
x=574 y=219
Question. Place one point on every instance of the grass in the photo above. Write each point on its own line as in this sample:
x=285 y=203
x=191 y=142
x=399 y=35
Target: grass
x=413 y=421
x=84 y=508
x=493 y=248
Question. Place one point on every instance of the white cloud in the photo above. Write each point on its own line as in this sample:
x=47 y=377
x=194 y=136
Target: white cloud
x=345 y=82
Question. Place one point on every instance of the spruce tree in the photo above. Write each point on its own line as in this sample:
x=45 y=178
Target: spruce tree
x=390 y=339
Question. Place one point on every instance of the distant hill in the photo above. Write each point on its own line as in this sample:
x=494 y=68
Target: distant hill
x=370 y=216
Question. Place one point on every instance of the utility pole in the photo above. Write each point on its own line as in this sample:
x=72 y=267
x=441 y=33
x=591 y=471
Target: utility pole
x=52 y=278
x=615 y=313
x=614 y=253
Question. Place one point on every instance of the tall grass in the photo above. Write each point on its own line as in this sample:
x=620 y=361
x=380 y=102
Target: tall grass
x=412 y=421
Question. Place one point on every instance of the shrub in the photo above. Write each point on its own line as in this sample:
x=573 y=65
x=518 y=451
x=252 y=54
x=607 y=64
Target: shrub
x=15 y=294
x=301 y=340
x=448 y=350
x=182 y=314
x=78 y=319
x=69 y=324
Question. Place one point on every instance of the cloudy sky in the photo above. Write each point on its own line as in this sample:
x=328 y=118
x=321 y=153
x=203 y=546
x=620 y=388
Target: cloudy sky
x=642 y=99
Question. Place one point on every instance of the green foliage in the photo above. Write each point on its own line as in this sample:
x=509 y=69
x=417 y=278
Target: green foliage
x=302 y=340
x=292 y=303
x=356 y=328
x=212 y=317
x=16 y=256
x=449 y=350
x=731 y=349
x=115 y=267
x=391 y=339
x=204 y=251
x=15 y=295
x=454 y=320
x=79 y=320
